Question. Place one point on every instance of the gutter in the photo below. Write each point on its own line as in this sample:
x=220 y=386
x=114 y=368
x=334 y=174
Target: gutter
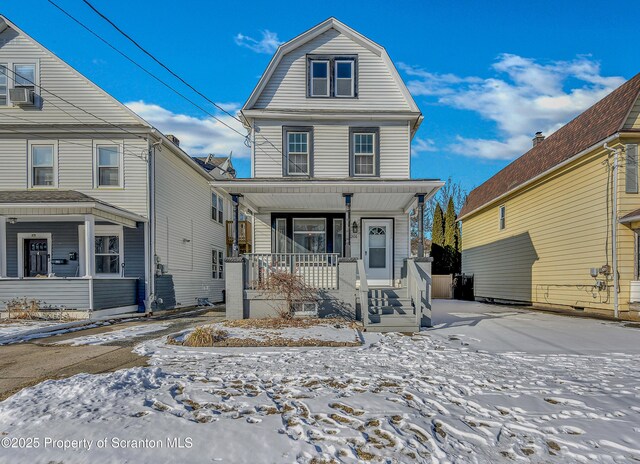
x=539 y=176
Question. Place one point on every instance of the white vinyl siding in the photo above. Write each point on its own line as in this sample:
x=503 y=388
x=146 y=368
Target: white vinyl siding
x=185 y=233
x=377 y=89
x=331 y=148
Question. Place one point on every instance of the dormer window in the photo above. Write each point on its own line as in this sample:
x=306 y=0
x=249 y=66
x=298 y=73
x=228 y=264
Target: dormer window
x=319 y=78
x=332 y=76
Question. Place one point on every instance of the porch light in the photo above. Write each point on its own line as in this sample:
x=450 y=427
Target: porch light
x=354 y=228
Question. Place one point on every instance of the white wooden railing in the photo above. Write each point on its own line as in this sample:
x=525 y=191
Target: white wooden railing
x=414 y=289
x=319 y=270
x=364 y=293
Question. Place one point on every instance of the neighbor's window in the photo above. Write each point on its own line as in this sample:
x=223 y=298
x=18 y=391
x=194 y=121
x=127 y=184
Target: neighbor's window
x=25 y=75
x=42 y=165
x=217 y=208
x=297 y=153
x=4 y=88
x=319 y=75
x=502 y=217
x=364 y=153
x=107 y=254
x=338 y=236
x=344 y=81
x=309 y=235
x=108 y=165
x=217 y=264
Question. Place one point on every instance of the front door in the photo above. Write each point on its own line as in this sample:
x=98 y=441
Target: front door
x=36 y=257
x=377 y=248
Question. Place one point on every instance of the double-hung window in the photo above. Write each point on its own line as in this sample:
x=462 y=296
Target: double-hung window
x=344 y=85
x=217 y=264
x=108 y=165
x=217 y=207
x=298 y=143
x=309 y=235
x=42 y=164
x=364 y=151
x=319 y=75
x=4 y=84
x=107 y=250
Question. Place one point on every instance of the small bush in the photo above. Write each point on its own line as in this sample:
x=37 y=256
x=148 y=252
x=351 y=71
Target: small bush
x=205 y=336
x=290 y=287
x=23 y=308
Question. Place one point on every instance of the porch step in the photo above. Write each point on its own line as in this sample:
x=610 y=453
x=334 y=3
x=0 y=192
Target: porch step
x=399 y=310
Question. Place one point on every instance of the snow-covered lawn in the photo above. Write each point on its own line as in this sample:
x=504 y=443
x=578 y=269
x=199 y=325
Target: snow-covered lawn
x=17 y=327
x=17 y=331
x=425 y=398
x=114 y=335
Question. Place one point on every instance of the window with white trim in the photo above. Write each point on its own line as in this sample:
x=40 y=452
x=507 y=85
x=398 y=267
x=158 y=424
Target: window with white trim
x=309 y=235
x=4 y=85
x=319 y=76
x=217 y=264
x=364 y=153
x=502 y=216
x=42 y=165
x=108 y=165
x=344 y=85
x=217 y=207
x=297 y=153
x=107 y=251
x=24 y=75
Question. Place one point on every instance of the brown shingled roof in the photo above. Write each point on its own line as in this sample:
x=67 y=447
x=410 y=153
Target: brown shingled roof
x=603 y=119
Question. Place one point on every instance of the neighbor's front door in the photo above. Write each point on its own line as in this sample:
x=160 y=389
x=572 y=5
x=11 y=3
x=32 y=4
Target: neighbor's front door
x=36 y=257
x=377 y=248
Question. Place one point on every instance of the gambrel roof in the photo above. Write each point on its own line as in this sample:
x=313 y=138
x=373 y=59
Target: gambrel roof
x=316 y=31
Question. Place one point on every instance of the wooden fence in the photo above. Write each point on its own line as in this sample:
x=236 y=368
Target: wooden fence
x=442 y=286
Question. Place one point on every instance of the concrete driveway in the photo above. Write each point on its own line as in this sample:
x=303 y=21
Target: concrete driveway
x=26 y=364
x=497 y=328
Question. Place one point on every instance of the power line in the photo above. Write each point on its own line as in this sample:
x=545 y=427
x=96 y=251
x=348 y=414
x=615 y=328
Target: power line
x=150 y=55
x=127 y=57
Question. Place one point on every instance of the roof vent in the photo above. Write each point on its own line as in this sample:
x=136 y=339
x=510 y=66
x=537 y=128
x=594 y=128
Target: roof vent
x=174 y=139
x=538 y=138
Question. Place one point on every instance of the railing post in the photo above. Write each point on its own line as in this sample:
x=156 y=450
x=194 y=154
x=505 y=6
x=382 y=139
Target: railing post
x=423 y=268
x=234 y=286
x=347 y=226
x=420 y=225
x=235 y=248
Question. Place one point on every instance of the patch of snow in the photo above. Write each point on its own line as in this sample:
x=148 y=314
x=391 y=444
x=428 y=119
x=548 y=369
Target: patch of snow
x=115 y=335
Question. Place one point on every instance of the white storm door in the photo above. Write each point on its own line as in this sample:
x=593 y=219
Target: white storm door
x=377 y=249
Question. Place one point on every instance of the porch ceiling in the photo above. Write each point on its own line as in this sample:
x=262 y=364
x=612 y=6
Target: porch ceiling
x=273 y=194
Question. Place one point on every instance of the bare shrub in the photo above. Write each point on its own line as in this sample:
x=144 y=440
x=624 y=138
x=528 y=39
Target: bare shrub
x=23 y=308
x=205 y=336
x=289 y=287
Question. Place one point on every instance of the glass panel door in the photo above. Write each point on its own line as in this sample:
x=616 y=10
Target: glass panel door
x=377 y=247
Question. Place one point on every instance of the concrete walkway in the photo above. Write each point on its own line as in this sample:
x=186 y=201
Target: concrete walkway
x=498 y=328
x=26 y=364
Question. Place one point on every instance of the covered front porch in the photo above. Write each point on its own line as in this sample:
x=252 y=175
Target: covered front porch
x=63 y=251
x=348 y=238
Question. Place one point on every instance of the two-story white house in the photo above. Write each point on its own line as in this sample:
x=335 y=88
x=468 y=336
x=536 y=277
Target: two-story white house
x=331 y=124
x=100 y=213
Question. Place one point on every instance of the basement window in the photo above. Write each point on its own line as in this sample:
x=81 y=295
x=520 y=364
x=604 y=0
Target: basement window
x=502 y=217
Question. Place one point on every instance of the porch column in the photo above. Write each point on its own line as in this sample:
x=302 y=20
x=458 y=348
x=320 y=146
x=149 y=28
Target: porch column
x=235 y=249
x=420 y=225
x=347 y=231
x=89 y=245
x=3 y=246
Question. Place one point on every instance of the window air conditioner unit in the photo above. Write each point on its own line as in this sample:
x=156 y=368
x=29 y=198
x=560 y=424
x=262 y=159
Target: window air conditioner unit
x=21 y=96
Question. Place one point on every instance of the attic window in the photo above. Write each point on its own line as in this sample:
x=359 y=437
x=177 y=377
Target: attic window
x=332 y=76
x=25 y=75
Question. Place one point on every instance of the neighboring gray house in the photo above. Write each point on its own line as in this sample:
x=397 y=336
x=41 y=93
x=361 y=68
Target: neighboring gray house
x=331 y=124
x=100 y=213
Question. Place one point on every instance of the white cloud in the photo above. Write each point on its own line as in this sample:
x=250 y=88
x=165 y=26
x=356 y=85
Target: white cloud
x=523 y=97
x=198 y=136
x=268 y=44
x=422 y=145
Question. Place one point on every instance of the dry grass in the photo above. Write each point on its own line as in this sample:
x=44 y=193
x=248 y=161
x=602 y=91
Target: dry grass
x=282 y=323
x=201 y=336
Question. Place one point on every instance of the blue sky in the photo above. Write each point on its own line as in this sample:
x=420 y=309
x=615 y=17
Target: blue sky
x=486 y=75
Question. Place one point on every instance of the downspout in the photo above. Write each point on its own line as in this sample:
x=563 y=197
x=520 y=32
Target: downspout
x=614 y=228
x=152 y=227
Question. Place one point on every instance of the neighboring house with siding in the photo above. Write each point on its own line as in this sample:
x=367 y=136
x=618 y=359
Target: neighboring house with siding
x=100 y=213
x=552 y=229
x=331 y=124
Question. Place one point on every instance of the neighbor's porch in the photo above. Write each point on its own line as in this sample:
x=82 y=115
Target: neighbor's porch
x=75 y=255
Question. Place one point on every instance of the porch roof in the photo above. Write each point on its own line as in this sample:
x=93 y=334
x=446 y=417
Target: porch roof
x=46 y=203
x=327 y=194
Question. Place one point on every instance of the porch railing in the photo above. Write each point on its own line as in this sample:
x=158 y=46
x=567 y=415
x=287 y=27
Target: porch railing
x=319 y=270
x=244 y=232
x=415 y=289
x=363 y=293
